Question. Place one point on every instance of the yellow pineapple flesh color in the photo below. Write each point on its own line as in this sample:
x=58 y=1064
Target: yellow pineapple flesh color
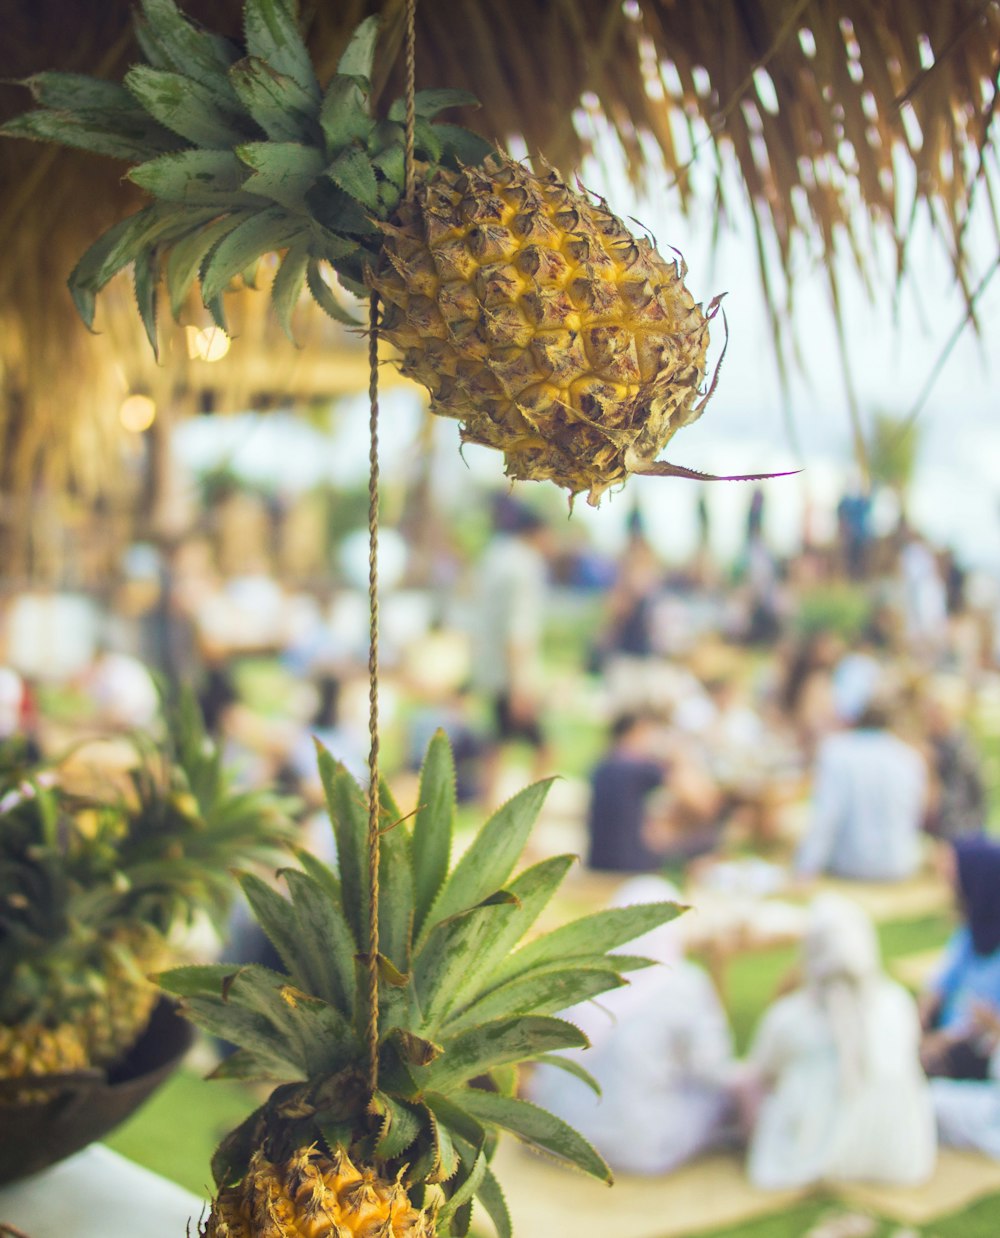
x=312 y=1195
x=538 y=320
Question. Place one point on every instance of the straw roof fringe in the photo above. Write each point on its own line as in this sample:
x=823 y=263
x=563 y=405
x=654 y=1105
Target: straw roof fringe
x=815 y=102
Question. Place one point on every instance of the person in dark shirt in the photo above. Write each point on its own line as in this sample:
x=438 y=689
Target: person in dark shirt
x=633 y=830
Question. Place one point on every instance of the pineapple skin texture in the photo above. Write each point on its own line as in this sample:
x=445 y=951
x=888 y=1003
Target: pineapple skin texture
x=534 y=317
x=312 y=1195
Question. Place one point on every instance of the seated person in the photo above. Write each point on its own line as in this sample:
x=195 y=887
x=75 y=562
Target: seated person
x=834 y=1088
x=958 y=790
x=625 y=833
x=963 y=1000
x=968 y=1111
x=869 y=800
x=661 y=1050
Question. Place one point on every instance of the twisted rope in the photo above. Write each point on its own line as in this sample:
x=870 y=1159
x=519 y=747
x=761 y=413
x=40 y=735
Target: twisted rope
x=374 y=804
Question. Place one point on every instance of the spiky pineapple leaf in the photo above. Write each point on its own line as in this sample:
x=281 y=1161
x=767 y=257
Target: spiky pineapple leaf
x=433 y=827
x=145 y=278
x=344 y=116
x=400 y=1124
x=446 y=1163
x=272 y=33
x=262 y=233
x=471 y=1175
x=540 y=992
x=276 y=101
x=197 y=53
x=322 y=875
x=491 y=1196
x=490 y=859
x=599 y=932
x=532 y=890
x=276 y=916
x=462 y=146
x=187 y=107
x=353 y=173
x=325 y=941
x=78 y=92
x=427 y=141
x=186 y=257
x=288 y=284
x=196 y=980
x=282 y=171
x=349 y=816
x=249 y=1029
x=396 y=884
x=449 y=956
x=323 y=296
x=197 y=176
x=131 y=136
x=571 y=1067
x=358 y=56
x=428 y=103
x=535 y=1126
x=497 y=1043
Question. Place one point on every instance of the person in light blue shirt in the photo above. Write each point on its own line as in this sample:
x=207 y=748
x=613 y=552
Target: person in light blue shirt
x=869 y=802
x=963 y=1001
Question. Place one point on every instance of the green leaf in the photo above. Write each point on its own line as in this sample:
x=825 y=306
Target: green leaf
x=358 y=56
x=272 y=33
x=276 y=916
x=471 y=1182
x=401 y=1125
x=249 y=1029
x=428 y=103
x=392 y=164
x=78 y=92
x=131 y=136
x=186 y=107
x=282 y=171
x=449 y=957
x=427 y=141
x=324 y=298
x=277 y=103
x=199 y=176
x=262 y=233
x=396 y=883
x=326 y=942
x=186 y=257
x=198 y=54
x=535 y=1126
x=353 y=173
x=349 y=814
x=602 y=931
x=121 y=244
x=202 y=980
x=491 y=1196
x=255 y=1067
x=343 y=116
x=462 y=146
x=433 y=827
x=497 y=1043
x=490 y=859
x=572 y=1067
x=287 y=286
x=447 y=1155
x=539 y=992
x=145 y=277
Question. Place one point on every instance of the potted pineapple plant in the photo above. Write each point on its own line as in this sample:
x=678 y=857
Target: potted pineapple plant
x=96 y=883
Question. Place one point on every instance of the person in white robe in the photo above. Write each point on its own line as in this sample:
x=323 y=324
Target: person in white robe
x=835 y=1086
x=661 y=1051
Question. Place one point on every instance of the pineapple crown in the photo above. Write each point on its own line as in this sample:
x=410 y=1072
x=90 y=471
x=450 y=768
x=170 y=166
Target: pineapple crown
x=465 y=998
x=75 y=866
x=243 y=154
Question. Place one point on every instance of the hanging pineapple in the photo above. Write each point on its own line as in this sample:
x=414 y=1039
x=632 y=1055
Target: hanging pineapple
x=465 y=999
x=527 y=309
x=91 y=889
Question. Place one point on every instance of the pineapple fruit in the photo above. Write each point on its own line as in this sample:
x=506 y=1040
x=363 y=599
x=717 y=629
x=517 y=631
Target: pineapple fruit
x=92 y=888
x=528 y=310
x=466 y=997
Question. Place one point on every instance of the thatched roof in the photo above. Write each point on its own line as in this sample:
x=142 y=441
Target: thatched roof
x=817 y=102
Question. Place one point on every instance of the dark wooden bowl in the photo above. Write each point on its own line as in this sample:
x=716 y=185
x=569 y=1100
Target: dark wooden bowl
x=83 y=1108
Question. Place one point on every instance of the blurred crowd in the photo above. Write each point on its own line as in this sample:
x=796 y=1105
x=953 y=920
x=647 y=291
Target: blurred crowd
x=751 y=730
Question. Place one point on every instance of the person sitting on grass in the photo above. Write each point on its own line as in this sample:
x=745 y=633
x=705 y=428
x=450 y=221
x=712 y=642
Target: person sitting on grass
x=661 y=1051
x=833 y=1087
x=962 y=1002
x=869 y=800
